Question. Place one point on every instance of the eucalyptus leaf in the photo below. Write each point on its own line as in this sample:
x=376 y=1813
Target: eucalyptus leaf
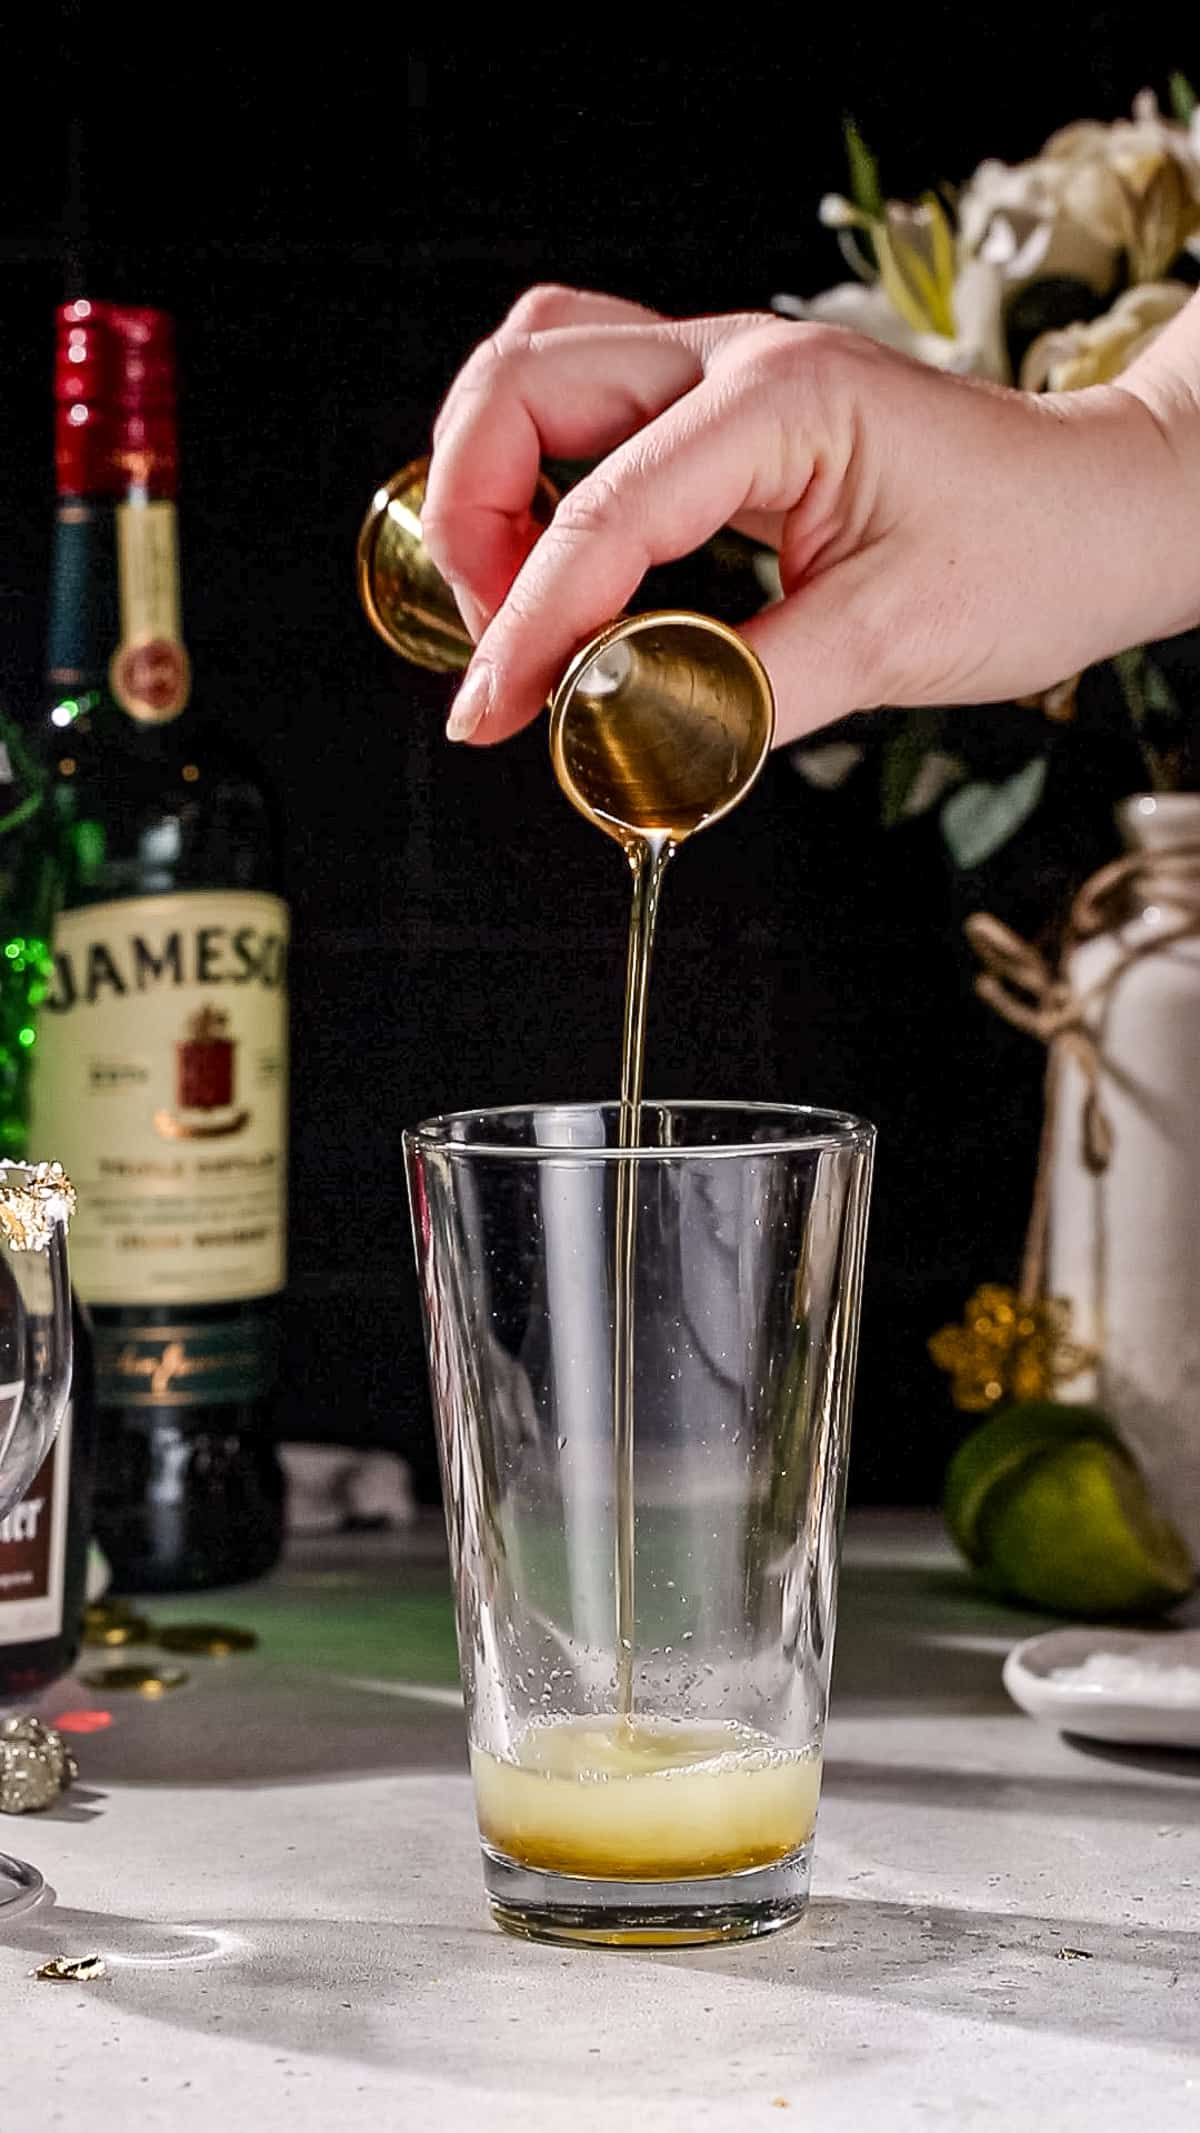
x=865 y=188
x=1183 y=98
x=900 y=766
x=980 y=817
x=1160 y=696
x=827 y=767
x=1130 y=670
x=938 y=775
x=1148 y=698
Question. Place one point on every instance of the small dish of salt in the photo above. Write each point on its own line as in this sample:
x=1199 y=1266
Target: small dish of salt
x=1112 y=1684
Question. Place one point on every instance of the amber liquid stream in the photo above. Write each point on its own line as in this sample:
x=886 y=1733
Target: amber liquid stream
x=648 y=858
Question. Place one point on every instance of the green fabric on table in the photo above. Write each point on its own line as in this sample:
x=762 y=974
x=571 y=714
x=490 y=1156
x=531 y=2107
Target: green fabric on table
x=352 y=1622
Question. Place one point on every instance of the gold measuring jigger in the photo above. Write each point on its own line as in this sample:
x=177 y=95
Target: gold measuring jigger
x=406 y=599
x=661 y=723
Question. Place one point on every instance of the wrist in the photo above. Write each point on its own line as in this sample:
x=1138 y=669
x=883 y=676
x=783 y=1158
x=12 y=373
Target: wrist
x=1136 y=455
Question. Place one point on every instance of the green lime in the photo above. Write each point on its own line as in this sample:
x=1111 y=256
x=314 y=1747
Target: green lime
x=1000 y=1448
x=1073 y=1530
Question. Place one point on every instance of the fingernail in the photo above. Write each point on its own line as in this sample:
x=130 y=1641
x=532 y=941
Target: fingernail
x=470 y=705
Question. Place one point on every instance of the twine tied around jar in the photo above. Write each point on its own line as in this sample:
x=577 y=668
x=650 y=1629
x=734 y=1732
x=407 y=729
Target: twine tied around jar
x=1035 y=995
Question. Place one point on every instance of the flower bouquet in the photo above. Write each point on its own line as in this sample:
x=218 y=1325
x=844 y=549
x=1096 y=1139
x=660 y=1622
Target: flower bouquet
x=1049 y=274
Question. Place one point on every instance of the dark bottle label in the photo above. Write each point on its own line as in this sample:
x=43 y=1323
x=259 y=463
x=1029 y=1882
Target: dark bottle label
x=33 y=1544
x=209 y=1364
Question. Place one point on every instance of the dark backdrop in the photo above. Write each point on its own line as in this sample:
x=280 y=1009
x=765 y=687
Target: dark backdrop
x=332 y=245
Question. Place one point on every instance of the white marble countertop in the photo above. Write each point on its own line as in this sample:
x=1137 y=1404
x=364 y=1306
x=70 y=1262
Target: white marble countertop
x=278 y=1864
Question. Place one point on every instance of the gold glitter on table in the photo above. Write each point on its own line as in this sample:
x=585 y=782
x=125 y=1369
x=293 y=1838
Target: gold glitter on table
x=106 y=1626
x=207 y=1640
x=150 y=1681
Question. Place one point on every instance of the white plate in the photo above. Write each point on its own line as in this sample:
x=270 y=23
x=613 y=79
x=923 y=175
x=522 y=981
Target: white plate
x=1100 y=1713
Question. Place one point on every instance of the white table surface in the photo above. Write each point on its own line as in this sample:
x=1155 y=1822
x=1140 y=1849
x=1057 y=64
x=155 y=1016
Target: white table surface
x=278 y=1865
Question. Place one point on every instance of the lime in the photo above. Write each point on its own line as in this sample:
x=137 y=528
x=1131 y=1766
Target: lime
x=1000 y=1448
x=1073 y=1530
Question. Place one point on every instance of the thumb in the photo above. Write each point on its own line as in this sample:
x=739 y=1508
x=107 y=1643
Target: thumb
x=821 y=647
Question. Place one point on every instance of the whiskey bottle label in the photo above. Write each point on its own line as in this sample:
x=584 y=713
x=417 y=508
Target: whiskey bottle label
x=160 y=1083
x=33 y=1542
x=149 y=672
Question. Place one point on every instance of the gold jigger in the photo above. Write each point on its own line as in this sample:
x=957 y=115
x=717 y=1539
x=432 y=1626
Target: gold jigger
x=407 y=600
x=661 y=723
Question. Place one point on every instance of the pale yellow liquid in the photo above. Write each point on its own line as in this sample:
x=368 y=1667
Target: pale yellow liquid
x=651 y=1800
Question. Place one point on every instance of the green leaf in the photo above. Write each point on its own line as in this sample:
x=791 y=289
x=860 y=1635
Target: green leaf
x=1146 y=689
x=1160 y=696
x=1183 y=98
x=1144 y=685
x=865 y=189
x=980 y=817
x=944 y=261
x=903 y=756
x=1130 y=670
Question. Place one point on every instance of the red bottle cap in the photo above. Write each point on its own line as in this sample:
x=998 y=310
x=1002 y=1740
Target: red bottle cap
x=84 y=383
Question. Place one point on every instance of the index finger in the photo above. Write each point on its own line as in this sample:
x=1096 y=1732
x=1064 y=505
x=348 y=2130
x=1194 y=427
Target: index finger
x=539 y=310
x=657 y=497
x=571 y=393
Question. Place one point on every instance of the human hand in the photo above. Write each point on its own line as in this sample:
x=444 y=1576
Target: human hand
x=941 y=540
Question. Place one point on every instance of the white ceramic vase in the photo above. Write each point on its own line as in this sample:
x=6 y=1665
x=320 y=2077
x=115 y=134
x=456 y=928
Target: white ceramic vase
x=1124 y=1246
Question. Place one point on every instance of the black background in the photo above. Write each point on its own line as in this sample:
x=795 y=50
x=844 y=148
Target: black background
x=334 y=228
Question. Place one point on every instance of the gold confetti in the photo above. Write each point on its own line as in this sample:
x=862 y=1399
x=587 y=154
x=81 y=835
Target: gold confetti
x=77 y=1969
x=112 y=1626
x=208 y=1640
x=1006 y=1349
x=150 y=1681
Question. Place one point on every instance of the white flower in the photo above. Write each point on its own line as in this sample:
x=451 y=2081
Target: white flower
x=921 y=293
x=1098 y=201
x=867 y=309
x=1080 y=355
x=1096 y=192
x=1016 y=217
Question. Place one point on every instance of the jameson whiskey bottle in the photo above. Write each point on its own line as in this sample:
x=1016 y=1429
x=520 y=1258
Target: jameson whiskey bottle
x=44 y=1538
x=160 y=1075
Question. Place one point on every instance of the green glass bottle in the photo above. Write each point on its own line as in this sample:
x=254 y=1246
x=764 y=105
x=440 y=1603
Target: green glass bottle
x=27 y=897
x=161 y=1056
x=44 y=1539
